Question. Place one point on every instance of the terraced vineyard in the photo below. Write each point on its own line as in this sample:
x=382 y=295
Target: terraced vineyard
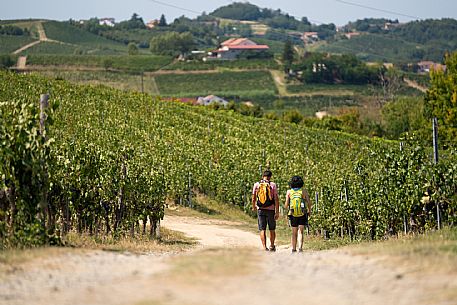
x=112 y=158
x=228 y=83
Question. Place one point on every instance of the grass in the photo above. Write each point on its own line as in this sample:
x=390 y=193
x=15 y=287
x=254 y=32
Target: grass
x=224 y=64
x=46 y=47
x=9 y=43
x=432 y=251
x=170 y=241
x=65 y=32
x=118 y=80
x=224 y=84
x=121 y=62
x=205 y=207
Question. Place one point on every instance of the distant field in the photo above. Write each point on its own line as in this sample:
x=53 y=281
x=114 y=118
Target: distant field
x=276 y=47
x=323 y=89
x=118 y=80
x=372 y=47
x=10 y=43
x=62 y=31
x=224 y=64
x=224 y=84
x=122 y=62
x=46 y=47
x=306 y=105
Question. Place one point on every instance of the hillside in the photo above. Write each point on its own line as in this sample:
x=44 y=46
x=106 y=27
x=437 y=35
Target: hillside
x=410 y=42
x=100 y=132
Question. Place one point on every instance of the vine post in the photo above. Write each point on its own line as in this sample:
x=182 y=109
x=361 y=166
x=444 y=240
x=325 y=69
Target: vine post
x=44 y=104
x=435 y=161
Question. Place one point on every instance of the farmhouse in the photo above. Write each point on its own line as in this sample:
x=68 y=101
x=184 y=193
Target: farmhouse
x=427 y=66
x=310 y=37
x=351 y=34
x=152 y=24
x=211 y=99
x=230 y=49
x=107 y=21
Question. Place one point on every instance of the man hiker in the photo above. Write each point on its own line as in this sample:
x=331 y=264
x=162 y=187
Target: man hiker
x=266 y=202
x=299 y=206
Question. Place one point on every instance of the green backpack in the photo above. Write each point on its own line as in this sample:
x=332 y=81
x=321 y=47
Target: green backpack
x=296 y=203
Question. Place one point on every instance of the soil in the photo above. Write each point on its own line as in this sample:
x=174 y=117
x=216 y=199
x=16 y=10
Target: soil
x=324 y=277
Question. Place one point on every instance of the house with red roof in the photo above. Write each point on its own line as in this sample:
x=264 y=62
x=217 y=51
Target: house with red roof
x=232 y=48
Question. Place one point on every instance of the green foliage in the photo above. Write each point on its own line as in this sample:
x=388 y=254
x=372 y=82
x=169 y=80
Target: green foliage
x=404 y=115
x=410 y=42
x=117 y=156
x=441 y=99
x=135 y=22
x=6 y=61
x=254 y=64
x=429 y=31
x=121 y=62
x=66 y=32
x=13 y=30
x=238 y=11
x=50 y=47
x=347 y=69
x=24 y=156
x=292 y=116
x=288 y=55
x=10 y=43
x=162 y=21
x=172 y=43
x=371 y=25
x=225 y=84
x=132 y=49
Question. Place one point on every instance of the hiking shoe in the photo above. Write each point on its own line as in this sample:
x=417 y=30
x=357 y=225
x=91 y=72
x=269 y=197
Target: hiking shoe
x=273 y=248
x=300 y=250
x=293 y=250
x=266 y=249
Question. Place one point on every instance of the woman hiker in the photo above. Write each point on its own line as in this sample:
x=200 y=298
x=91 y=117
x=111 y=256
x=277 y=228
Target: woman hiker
x=299 y=206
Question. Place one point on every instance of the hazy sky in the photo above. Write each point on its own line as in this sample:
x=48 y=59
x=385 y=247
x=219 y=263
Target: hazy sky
x=317 y=11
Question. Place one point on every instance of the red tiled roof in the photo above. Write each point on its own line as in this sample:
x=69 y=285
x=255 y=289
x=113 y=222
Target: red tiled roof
x=253 y=47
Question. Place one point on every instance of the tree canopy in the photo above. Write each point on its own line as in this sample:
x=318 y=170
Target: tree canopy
x=441 y=99
x=172 y=43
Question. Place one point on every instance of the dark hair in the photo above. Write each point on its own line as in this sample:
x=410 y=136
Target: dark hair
x=296 y=182
x=267 y=173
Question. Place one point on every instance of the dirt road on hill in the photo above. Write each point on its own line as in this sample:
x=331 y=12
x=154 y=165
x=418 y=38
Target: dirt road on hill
x=239 y=273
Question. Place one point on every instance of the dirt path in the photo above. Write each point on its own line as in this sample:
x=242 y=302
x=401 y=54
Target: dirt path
x=415 y=85
x=239 y=274
x=41 y=38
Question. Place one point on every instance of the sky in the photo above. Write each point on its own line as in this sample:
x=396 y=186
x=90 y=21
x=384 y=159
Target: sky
x=339 y=12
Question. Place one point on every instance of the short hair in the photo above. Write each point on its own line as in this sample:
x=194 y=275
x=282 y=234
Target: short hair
x=296 y=182
x=267 y=173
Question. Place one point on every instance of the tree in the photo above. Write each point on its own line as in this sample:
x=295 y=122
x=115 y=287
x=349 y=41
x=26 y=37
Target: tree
x=6 y=61
x=441 y=99
x=162 y=21
x=136 y=22
x=132 y=49
x=288 y=55
x=172 y=43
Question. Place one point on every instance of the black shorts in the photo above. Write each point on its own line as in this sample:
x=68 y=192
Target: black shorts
x=298 y=221
x=265 y=217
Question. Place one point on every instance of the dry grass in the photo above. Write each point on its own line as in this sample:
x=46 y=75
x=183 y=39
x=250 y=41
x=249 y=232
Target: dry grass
x=170 y=241
x=205 y=207
x=11 y=259
x=434 y=251
x=211 y=264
